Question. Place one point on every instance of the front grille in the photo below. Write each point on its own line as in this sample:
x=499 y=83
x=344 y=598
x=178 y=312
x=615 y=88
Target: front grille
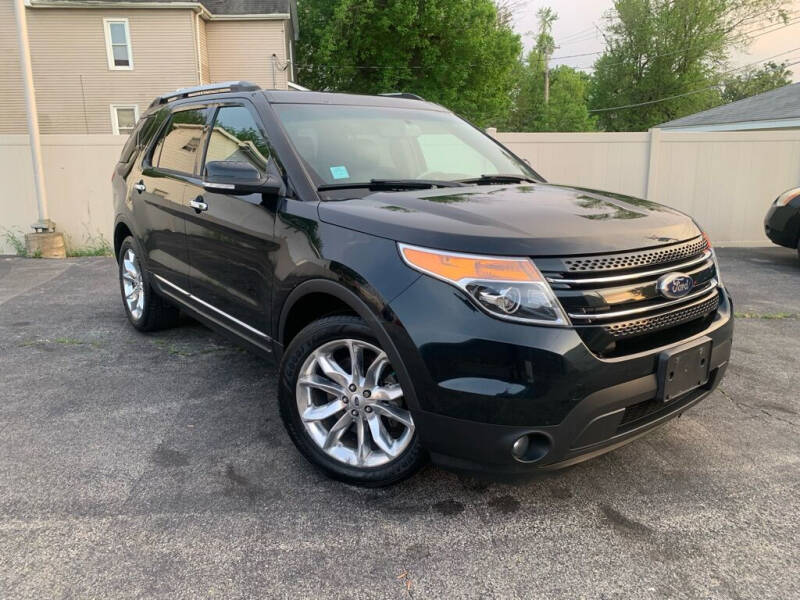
x=662 y=321
x=630 y=260
x=614 y=301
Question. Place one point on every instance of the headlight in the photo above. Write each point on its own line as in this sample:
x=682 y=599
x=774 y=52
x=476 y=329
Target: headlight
x=714 y=257
x=787 y=197
x=507 y=288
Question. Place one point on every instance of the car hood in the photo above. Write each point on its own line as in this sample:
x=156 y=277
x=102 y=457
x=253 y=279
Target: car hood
x=527 y=219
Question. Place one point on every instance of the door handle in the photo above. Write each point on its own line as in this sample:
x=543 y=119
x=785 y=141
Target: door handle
x=198 y=204
x=140 y=187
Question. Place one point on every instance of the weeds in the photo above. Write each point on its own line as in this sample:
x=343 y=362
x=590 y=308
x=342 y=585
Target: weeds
x=16 y=239
x=63 y=341
x=96 y=246
x=768 y=316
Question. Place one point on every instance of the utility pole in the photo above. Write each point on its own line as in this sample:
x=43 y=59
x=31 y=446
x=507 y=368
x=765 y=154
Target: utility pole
x=547 y=79
x=45 y=242
x=545 y=45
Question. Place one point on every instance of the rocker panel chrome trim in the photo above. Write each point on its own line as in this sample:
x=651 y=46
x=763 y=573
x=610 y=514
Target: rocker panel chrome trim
x=214 y=308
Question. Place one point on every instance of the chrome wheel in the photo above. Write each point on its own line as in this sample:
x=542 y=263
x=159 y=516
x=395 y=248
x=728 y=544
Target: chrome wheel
x=132 y=284
x=351 y=404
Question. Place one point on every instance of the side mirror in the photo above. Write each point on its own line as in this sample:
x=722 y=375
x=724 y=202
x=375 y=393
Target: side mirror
x=238 y=178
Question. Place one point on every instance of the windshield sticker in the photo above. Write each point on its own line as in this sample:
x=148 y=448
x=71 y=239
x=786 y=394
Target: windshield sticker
x=340 y=172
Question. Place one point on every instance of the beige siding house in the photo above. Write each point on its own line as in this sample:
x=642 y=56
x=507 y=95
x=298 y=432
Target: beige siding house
x=97 y=64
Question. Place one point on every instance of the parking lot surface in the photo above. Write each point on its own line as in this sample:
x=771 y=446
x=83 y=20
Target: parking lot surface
x=156 y=466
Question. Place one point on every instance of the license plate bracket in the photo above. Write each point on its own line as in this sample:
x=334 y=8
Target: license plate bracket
x=683 y=369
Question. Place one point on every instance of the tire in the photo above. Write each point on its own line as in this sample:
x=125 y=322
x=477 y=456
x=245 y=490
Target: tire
x=146 y=310
x=378 y=446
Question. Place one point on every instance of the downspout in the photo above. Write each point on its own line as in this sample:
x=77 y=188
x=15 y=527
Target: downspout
x=44 y=223
x=197 y=49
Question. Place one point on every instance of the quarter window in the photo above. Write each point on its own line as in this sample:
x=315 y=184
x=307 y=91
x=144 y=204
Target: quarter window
x=236 y=137
x=177 y=148
x=118 y=44
x=123 y=118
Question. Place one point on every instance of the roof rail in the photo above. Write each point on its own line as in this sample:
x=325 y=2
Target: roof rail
x=211 y=88
x=407 y=95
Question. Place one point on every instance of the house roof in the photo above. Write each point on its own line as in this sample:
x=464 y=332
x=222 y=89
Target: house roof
x=246 y=7
x=215 y=7
x=777 y=105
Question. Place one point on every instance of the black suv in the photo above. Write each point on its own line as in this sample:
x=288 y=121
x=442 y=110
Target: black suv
x=426 y=293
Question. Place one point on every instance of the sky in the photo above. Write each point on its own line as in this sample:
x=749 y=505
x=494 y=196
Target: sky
x=576 y=32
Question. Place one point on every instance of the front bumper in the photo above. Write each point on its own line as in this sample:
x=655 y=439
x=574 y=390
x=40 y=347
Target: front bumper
x=482 y=383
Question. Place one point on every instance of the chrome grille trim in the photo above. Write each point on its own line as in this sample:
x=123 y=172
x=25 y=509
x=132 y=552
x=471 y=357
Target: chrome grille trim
x=708 y=289
x=615 y=278
x=671 y=318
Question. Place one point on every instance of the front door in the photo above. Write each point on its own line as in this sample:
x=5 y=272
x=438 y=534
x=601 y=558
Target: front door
x=159 y=195
x=230 y=238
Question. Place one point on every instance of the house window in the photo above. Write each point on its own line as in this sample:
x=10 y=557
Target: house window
x=118 y=44
x=123 y=118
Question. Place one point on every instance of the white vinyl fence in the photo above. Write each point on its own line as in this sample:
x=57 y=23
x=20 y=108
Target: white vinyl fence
x=77 y=171
x=726 y=180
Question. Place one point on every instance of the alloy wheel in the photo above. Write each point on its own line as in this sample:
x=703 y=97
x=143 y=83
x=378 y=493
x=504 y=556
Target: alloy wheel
x=132 y=284
x=352 y=405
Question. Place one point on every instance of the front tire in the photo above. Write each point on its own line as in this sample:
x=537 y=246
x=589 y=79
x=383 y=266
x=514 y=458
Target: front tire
x=343 y=406
x=146 y=310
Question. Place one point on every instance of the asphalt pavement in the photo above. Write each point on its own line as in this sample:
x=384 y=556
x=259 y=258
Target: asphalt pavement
x=156 y=466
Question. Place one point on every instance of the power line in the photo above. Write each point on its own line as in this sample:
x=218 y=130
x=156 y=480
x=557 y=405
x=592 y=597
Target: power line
x=705 y=89
x=788 y=24
x=616 y=64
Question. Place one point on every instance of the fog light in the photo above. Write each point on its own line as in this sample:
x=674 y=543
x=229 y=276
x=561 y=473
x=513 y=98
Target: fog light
x=531 y=447
x=520 y=447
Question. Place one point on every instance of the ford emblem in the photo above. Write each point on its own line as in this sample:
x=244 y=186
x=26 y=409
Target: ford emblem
x=674 y=285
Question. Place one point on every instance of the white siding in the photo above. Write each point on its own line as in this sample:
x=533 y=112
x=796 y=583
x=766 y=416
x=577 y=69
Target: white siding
x=244 y=49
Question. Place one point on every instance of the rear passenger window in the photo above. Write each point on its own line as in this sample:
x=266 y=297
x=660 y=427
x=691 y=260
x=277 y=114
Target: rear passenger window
x=236 y=137
x=177 y=148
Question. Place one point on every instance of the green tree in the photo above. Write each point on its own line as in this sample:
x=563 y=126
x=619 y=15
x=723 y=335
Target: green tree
x=545 y=99
x=460 y=53
x=569 y=95
x=568 y=109
x=658 y=49
x=756 y=81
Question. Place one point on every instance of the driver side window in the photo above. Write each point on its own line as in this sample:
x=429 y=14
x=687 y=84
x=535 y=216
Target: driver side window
x=236 y=137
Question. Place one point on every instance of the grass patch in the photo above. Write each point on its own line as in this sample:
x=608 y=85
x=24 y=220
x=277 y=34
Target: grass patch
x=768 y=316
x=68 y=341
x=64 y=341
x=186 y=350
x=16 y=239
x=96 y=246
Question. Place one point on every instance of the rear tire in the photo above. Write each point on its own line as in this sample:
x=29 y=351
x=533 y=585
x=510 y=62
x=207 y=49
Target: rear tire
x=353 y=424
x=146 y=310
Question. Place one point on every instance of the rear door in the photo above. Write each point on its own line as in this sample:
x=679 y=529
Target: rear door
x=160 y=194
x=231 y=238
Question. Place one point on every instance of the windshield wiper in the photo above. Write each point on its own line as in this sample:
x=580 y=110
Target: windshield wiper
x=498 y=178
x=392 y=184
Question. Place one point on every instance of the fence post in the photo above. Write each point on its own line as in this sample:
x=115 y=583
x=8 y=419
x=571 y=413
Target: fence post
x=492 y=131
x=652 y=166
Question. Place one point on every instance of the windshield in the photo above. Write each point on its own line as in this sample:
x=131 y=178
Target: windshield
x=358 y=144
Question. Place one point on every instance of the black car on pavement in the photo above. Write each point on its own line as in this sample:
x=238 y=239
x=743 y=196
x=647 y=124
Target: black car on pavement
x=782 y=223
x=425 y=292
